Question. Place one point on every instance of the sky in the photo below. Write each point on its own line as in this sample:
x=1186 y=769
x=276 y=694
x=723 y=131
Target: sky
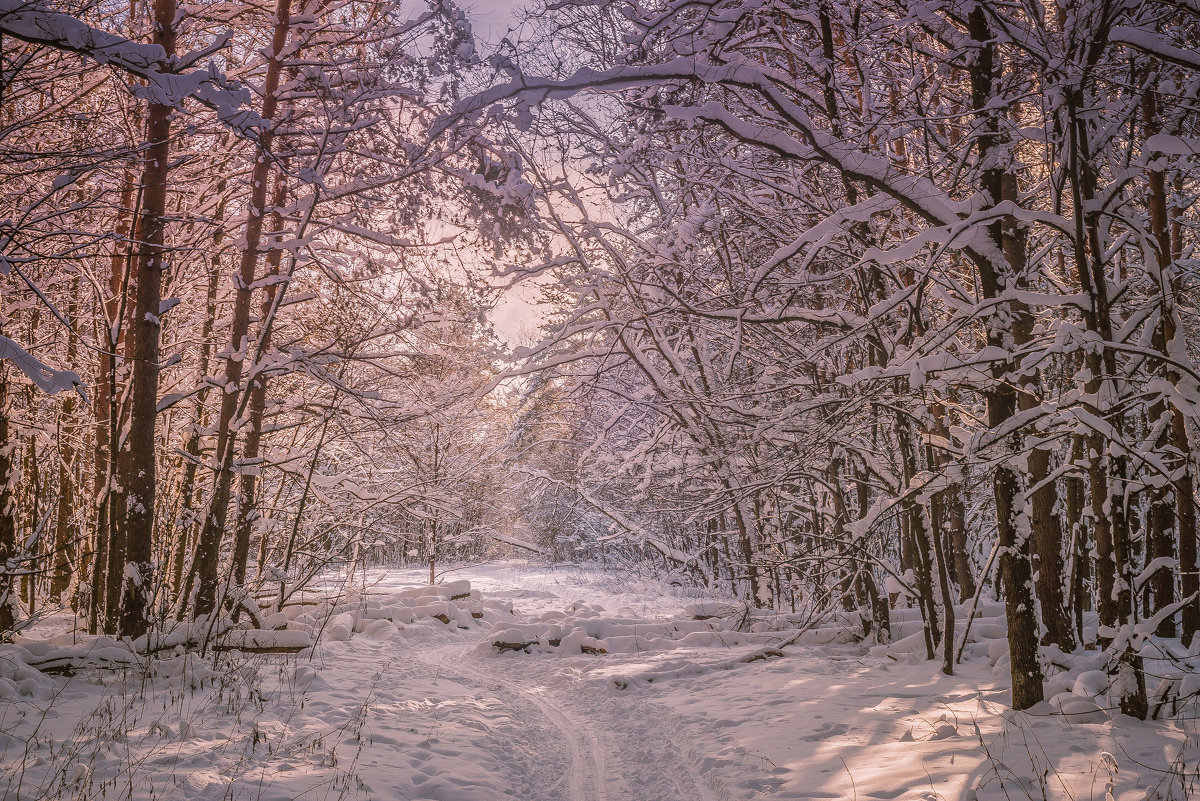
x=490 y=19
x=516 y=316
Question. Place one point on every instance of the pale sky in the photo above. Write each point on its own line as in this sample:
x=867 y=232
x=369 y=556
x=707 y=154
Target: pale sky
x=491 y=18
x=517 y=315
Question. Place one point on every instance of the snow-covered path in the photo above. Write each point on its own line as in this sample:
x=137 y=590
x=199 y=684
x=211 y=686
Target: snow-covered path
x=549 y=752
x=618 y=746
x=674 y=709
x=537 y=724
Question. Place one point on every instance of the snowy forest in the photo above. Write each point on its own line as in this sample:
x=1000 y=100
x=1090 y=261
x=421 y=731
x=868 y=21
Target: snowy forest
x=878 y=312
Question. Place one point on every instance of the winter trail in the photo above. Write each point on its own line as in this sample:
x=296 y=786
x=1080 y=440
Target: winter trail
x=587 y=774
x=588 y=778
x=616 y=749
x=553 y=731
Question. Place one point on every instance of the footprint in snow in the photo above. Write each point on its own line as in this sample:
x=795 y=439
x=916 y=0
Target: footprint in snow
x=826 y=731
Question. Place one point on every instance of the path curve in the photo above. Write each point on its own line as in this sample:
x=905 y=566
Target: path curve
x=620 y=748
x=589 y=781
x=587 y=776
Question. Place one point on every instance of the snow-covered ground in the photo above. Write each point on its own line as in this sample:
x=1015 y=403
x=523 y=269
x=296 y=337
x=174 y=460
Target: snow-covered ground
x=619 y=693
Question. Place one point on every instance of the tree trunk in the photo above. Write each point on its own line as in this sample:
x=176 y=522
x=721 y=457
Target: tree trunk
x=209 y=547
x=1185 y=500
x=919 y=537
x=943 y=564
x=1048 y=553
x=183 y=575
x=66 y=539
x=1172 y=517
x=294 y=535
x=1185 y=481
x=957 y=523
x=101 y=606
x=1015 y=563
x=246 y=514
x=1108 y=474
x=136 y=460
x=8 y=520
x=943 y=571
x=1081 y=560
x=955 y=513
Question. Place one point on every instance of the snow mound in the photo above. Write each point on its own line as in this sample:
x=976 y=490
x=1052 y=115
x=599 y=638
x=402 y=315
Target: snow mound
x=453 y=605
x=586 y=629
x=1078 y=709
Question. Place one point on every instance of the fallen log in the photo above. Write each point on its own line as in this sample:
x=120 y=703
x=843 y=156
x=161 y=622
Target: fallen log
x=525 y=646
x=270 y=649
x=264 y=641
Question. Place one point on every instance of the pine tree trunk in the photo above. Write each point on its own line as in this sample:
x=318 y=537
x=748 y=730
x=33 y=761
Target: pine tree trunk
x=209 y=547
x=136 y=467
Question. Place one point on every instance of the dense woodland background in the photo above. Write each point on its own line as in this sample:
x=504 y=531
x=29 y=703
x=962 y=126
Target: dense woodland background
x=842 y=305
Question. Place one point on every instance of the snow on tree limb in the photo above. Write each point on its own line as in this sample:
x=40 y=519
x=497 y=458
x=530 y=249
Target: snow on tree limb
x=517 y=542
x=917 y=193
x=48 y=379
x=36 y=24
x=1152 y=44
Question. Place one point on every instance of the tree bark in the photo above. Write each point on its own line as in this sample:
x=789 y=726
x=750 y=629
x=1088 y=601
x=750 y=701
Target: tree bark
x=955 y=511
x=1108 y=474
x=209 y=547
x=246 y=510
x=919 y=536
x=8 y=519
x=1172 y=518
x=182 y=576
x=1015 y=562
x=103 y=604
x=65 y=533
x=136 y=460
